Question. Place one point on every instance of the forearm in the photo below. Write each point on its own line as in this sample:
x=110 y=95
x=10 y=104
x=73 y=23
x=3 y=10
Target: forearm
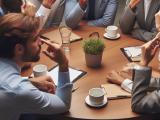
x=43 y=12
x=74 y=16
x=64 y=88
x=127 y=21
x=143 y=35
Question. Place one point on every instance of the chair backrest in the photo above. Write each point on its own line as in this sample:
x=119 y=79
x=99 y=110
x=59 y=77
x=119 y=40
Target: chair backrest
x=120 y=9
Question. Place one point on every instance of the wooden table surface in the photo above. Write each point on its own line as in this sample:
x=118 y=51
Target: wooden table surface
x=113 y=59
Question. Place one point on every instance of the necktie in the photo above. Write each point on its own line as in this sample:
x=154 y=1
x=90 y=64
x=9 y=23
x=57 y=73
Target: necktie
x=91 y=9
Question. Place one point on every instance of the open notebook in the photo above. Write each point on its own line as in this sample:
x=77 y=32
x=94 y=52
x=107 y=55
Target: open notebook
x=132 y=53
x=56 y=37
x=114 y=91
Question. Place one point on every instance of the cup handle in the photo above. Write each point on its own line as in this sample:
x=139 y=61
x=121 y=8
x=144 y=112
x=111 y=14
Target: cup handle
x=104 y=90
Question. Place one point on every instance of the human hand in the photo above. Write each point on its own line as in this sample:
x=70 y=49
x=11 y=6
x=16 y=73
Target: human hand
x=28 y=8
x=48 y=3
x=115 y=78
x=149 y=50
x=83 y=3
x=133 y=3
x=157 y=20
x=44 y=83
x=55 y=53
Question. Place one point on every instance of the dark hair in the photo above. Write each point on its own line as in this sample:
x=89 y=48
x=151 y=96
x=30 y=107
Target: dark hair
x=12 y=5
x=16 y=28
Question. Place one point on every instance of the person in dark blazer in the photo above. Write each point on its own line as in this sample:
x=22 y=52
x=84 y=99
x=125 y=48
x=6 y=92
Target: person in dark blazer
x=95 y=12
x=138 y=19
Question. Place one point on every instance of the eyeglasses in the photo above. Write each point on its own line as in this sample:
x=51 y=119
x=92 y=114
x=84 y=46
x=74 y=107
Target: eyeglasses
x=94 y=35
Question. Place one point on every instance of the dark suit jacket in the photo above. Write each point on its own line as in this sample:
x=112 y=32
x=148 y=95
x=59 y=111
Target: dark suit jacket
x=133 y=22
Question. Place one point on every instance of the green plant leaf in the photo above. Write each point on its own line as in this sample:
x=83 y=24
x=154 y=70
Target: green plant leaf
x=93 y=46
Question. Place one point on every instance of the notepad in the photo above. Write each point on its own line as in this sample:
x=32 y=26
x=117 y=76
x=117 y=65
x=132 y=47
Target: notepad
x=75 y=74
x=56 y=37
x=133 y=53
x=114 y=91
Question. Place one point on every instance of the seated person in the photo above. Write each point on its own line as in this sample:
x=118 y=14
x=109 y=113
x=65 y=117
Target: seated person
x=19 y=6
x=56 y=11
x=143 y=100
x=97 y=12
x=19 y=38
x=138 y=19
x=124 y=77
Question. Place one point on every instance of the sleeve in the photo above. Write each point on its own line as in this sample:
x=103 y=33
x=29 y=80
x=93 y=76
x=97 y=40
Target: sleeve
x=38 y=102
x=127 y=21
x=144 y=101
x=127 y=85
x=43 y=12
x=74 y=16
x=144 y=35
x=108 y=16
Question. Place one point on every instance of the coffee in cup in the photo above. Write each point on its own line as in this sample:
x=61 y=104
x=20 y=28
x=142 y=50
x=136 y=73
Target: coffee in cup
x=96 y=95
x=112 y=31
x=39 y=70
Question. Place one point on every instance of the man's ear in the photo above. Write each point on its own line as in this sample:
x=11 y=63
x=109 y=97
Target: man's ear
x=19 y=50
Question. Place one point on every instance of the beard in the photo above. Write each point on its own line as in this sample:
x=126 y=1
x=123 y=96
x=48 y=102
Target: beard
x=28 y=56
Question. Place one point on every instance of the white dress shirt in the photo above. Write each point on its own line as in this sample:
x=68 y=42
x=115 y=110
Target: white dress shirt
x=146 y=7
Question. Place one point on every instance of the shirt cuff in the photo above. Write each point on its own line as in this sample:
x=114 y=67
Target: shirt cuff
x=63 y=78
x=127 y=85
x=43 y=11
x=140 y=67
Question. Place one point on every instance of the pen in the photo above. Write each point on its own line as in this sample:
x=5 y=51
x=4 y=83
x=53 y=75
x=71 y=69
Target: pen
x=43 y=37
x=74 y=89
x=119 y=97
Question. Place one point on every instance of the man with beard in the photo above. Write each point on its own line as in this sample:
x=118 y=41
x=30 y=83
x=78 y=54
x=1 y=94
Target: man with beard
x=20 y=43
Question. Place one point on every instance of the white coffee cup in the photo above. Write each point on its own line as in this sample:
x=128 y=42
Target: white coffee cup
x=112 y=31
x=39 y=70
x=96 y=95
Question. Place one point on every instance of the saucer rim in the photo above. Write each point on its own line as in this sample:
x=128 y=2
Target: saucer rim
x=112 y=38
x=105 y=101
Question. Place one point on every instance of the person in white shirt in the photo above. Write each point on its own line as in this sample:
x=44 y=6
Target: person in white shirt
x=138 y=19
x=19 y=5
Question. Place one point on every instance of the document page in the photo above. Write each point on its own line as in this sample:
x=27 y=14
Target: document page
x=74 y=74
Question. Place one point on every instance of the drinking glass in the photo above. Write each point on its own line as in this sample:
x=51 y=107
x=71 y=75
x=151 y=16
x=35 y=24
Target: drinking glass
x=65 y=33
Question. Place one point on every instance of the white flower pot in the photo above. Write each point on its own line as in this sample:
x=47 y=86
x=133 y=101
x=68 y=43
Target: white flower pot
x=93 y=60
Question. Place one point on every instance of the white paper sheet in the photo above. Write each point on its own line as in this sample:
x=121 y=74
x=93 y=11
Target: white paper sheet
x=133 y=51
x=73 y=74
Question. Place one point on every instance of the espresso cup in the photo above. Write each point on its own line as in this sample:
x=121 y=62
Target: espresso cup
x=39 y=70
x=112 y=31
x=96 y=96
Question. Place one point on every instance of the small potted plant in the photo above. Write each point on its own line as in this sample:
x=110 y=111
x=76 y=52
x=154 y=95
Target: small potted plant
x=93 y=48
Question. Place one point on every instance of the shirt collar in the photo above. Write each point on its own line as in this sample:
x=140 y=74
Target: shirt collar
x=12 y=63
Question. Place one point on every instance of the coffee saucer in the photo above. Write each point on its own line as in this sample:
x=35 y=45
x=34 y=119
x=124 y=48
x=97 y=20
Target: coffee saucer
x=88 y=102
x=112 y=38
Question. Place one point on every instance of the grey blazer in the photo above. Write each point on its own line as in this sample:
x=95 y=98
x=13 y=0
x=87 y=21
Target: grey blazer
x=133 y=22
x=56 y=14
x=105 y=11
x=144 y=101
